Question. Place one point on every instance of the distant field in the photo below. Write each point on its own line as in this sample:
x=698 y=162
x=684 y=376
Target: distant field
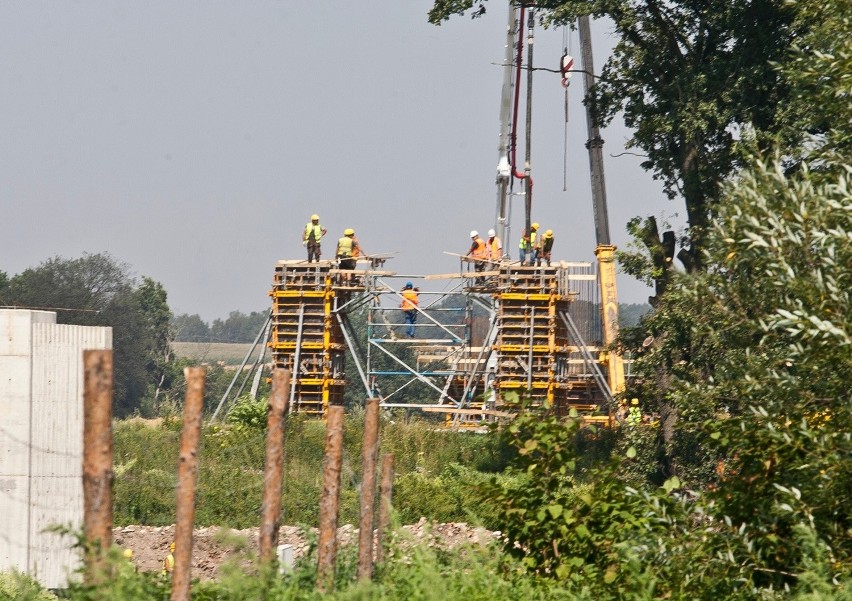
x=215 y=352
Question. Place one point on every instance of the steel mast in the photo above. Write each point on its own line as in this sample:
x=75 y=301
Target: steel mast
x=604 y=251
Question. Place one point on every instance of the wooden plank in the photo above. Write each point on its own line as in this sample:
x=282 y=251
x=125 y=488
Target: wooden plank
x=445 y=409
x=473 y=274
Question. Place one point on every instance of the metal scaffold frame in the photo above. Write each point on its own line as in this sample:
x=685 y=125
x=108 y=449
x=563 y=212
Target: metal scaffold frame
x=488 y=340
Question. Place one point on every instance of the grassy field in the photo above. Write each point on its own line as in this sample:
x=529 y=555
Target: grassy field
x=214 y=352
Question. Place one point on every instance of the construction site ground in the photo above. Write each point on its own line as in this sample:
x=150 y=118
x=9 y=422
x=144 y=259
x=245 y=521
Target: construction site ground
x=213 y=546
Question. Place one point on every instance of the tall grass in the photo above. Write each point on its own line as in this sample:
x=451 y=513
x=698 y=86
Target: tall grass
x=437 y=471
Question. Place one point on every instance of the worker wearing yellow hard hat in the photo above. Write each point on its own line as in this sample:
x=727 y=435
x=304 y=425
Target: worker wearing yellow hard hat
x=546 y=248
x=169 y=561
x=529 y=245
x=634 y=414
x=348 y=250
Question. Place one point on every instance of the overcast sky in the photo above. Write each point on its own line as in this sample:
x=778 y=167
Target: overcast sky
x=192 y=140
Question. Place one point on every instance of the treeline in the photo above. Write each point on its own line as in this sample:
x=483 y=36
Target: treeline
x=99 y=290
x=237 y=327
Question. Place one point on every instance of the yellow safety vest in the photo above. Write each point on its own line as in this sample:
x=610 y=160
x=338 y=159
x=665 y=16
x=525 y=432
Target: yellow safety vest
x=317 y=231
x=168 y=564
x=344 y=247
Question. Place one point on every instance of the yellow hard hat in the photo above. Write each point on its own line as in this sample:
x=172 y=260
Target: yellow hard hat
x=349 y=232
x=172 y=547
x=314 y=217
x=128 y=553
x=534 y=226
x=548 y=234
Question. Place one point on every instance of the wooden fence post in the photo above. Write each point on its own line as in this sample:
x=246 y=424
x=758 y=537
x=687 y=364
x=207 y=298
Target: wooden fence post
x=97 y=460
x=276 y=416
x=385 y=504
x=368 y=489
x=187 y=478
x=330 y=499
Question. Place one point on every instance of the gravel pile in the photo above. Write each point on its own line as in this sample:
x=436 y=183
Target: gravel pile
x=212 y=546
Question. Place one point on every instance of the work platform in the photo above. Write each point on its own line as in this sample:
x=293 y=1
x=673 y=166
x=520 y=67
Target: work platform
x=484 y=343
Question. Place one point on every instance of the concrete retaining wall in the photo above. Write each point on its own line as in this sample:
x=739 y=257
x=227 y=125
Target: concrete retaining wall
x=41 y=435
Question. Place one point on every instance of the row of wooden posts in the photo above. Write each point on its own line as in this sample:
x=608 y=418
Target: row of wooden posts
x=98 y=478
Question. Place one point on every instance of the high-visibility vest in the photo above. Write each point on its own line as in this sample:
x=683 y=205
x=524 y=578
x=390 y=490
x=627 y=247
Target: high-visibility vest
x=344 y=247
x=524 y=244
x=533 y=237
x=481 y=250
x=168 y=564
x=496 y=248
x=409 y=300
x=315 y=229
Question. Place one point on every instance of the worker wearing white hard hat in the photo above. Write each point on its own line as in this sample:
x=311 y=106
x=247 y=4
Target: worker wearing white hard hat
x=494 y=246
x=478 y=252
x=311 y=238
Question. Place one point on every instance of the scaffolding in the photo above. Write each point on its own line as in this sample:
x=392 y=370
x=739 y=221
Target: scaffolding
x=491 y=339
x=306 y=336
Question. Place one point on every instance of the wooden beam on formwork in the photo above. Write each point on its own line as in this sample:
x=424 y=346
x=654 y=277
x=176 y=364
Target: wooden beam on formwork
x=451 y=276
x=448 y=409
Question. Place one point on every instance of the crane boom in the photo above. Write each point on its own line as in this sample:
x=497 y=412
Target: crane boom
x=604 y=251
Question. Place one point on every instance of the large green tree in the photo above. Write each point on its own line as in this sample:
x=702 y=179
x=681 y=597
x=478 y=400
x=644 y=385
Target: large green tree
x=97 y=289
x=685 y=75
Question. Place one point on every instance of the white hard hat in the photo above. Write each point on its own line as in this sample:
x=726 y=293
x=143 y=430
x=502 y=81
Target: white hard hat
x=473 y=233
x=491 y=233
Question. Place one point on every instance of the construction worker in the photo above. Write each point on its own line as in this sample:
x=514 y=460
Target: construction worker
x=347 y=249
x=312 y=236
x=410 y=302
x=495 y=247
x=528 y=245
x=128 y=557
x=347 y=252
x=535 y=243
x=634 y=415
x=169 y=561
x=479 y=252
x=546 y=248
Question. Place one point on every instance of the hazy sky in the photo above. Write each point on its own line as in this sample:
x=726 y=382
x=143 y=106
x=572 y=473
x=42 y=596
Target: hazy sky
x=193 y=139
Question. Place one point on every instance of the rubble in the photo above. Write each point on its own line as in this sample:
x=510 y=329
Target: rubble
x=213 y=546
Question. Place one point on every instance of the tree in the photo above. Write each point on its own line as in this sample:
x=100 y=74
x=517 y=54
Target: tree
x=98 y=290
x=153 y=302
x=238 y=327
x=190 y=328
x=684 y=74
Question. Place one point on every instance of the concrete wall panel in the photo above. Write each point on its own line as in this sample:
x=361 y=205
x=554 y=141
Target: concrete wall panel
x=41 y=434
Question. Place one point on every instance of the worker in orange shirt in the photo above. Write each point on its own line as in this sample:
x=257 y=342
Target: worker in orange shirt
x=495 y=247
x=410 y=302
x=478 y=252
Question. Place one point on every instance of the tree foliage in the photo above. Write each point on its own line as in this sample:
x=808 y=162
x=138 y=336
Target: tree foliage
x=685 y=75
x=98 y=290
x=237 y=327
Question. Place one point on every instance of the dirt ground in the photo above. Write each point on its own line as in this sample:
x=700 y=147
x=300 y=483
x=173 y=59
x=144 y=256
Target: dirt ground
x=213 y=546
